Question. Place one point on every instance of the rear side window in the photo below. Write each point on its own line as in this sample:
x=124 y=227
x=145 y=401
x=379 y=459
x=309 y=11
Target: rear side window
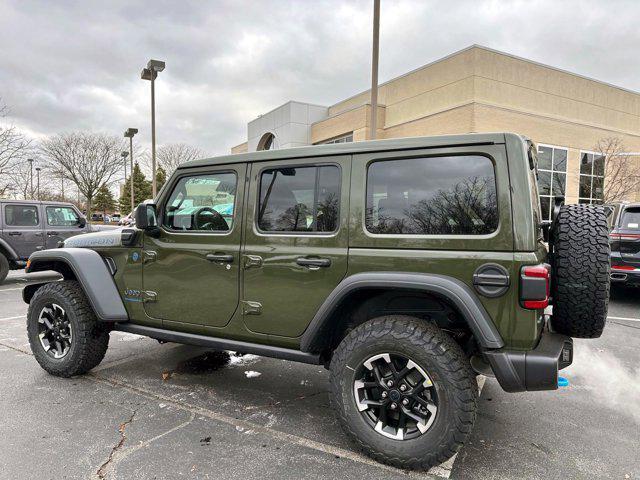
x=62 y=217
x=630 y=219
x=21 y=215
x=300 y=199
x=432 y=196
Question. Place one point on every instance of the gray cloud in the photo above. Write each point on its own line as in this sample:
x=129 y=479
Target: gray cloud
x=75 y=64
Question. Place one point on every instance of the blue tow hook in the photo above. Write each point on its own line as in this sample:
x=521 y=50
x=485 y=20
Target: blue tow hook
x=563 y=382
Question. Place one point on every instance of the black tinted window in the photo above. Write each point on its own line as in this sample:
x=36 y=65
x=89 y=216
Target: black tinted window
x=202 y=203
x=21 y=215
x=433 y=195
x=630 y=219
x=301 y=199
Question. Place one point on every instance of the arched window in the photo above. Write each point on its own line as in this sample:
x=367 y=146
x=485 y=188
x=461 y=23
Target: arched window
x=267 y=142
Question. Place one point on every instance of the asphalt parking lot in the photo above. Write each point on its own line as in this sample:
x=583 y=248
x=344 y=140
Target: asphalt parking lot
x=169 y=411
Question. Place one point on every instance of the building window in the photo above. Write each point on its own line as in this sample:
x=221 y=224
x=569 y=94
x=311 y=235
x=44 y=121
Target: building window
x=591 y=178
x=341 y=139
x=552 y=177
x=267 y=142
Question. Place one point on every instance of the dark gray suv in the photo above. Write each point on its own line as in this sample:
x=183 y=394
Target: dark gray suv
x=27 y=226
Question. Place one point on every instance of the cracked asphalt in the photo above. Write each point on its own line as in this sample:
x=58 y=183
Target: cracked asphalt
x=169 y=411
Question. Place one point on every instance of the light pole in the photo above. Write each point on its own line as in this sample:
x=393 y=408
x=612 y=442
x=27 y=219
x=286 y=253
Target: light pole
x=374 y=70
x=129 y=133
x=124 y=154
x=150 y=73
x=62 y=183
x=30 y=160
x=38 y=173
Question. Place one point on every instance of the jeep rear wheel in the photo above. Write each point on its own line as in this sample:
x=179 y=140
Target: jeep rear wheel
x=580 y=271
x=403 y=390
x=65 y=336
x=4 y=267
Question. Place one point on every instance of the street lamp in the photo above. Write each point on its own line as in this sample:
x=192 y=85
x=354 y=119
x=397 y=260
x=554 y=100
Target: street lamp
x=150 y=73
x=38 y=172
x=129 y=133
x=124 y=154
x=30 y=160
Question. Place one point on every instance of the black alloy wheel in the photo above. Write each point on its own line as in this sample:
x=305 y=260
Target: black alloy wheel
x=395 y=396
x=54 y=331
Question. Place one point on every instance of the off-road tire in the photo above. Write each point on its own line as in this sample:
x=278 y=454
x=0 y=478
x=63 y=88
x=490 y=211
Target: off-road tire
x=4 y=267
x=90 y=338
x=448 y=368
x=580 y=271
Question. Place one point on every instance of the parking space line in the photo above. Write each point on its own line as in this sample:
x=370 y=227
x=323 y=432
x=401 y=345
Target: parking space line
x=247 y=425
x=628 y=319
x=13 y=318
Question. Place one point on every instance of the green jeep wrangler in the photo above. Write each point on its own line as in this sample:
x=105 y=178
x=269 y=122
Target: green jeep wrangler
x=406 y=267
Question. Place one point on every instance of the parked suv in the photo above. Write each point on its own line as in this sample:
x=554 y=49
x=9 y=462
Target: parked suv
x=27 y=226
x=625 y=245
x=406 y=267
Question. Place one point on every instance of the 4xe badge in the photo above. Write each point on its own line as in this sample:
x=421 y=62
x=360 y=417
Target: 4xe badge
x=135 y=256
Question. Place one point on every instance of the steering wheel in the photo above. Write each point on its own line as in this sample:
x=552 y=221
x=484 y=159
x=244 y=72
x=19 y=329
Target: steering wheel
x=216 y=223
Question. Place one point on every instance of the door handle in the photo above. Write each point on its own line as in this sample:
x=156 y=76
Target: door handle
x=15 y=234
x=314 y=262
x=219 y=257
x=53 y=233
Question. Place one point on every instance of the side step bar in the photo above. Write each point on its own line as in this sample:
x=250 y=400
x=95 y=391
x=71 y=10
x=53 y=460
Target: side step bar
x=219 y=343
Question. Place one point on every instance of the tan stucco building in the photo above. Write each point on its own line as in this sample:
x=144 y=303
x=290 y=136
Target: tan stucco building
x=479 y=90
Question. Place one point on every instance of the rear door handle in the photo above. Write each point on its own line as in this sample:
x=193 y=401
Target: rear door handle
x=314 y=262
x=15 y=234
x=53 y=233
x=219 y=257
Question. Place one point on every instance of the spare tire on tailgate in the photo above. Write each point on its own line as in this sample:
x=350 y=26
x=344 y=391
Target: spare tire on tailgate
x=580 y=270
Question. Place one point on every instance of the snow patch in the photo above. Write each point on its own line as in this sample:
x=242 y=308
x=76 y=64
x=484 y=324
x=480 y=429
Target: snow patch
x=251 y=374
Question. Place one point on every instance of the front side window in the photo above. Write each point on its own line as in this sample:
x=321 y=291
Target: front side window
x=62 y=217
x=432 y=196
x=552 y=177
x=21 y=215
x=300 y=199
x=202 y=203
x=591 y=188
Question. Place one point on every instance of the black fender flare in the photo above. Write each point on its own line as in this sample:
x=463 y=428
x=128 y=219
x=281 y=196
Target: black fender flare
x=458 y=293
x=5 y=247
x=92 y=273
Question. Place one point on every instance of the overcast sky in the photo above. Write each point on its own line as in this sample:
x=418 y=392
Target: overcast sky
x=75 y=65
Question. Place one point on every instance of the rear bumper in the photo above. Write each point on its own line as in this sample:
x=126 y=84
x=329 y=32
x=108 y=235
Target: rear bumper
x=625 y=277
x=533 y=370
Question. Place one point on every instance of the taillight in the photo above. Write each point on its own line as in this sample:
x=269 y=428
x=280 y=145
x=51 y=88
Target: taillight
x=622 y=267
x=535 y=282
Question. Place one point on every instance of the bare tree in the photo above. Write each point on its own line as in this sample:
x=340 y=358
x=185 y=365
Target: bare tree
x=13 y=146
x=89 y=160
x=621 y=178
x=171 y=155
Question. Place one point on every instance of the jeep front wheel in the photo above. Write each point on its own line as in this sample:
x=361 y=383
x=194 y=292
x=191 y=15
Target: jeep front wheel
x=65 y=336
x=4 y=267
x=404 y=391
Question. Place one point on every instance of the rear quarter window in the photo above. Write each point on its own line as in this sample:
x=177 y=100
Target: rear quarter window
x=452 y=195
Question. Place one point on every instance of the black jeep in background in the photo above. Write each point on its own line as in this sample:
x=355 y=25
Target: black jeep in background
x=625 y=245
x=27 y=226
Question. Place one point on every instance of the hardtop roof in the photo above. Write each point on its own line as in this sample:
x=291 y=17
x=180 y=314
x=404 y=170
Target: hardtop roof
x=441 y=141
x=35 y=202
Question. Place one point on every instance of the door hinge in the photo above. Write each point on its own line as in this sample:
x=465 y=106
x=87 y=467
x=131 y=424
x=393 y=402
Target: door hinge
x=251 y=308
x=149 y=297
x=149 y=256
x=251 y=261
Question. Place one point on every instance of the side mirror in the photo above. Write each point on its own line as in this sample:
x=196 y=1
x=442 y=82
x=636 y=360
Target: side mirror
x=82 y=222
x=146 y=219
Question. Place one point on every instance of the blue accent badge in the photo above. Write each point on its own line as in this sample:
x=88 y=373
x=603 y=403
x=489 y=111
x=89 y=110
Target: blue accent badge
x=135 y=256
